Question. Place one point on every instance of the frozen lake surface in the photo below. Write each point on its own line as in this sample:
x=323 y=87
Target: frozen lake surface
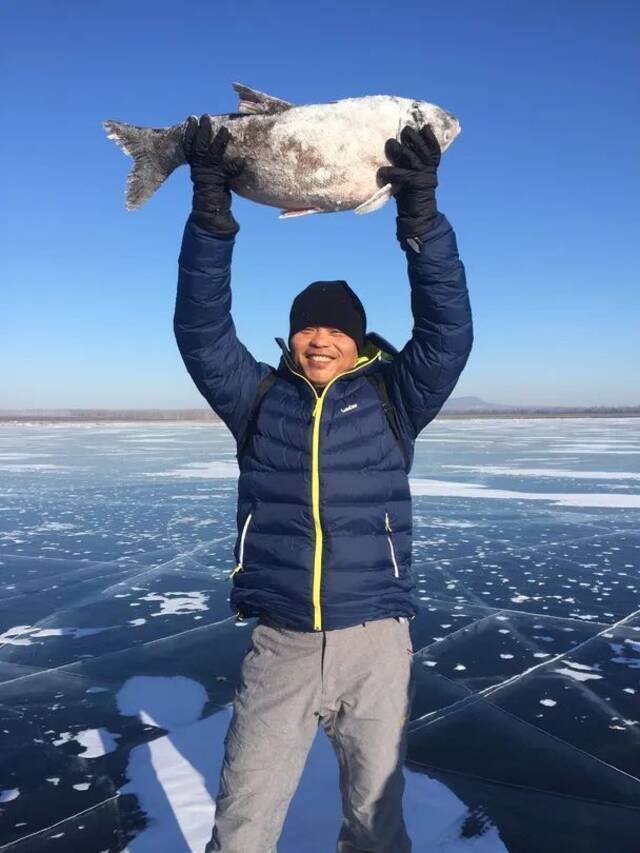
x=119 y=655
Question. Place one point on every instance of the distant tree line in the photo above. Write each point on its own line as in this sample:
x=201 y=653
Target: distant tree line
x=109 y=415
x=177 y=415
x=548 y=412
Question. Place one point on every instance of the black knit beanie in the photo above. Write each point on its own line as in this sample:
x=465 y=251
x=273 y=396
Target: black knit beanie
x=332 y=304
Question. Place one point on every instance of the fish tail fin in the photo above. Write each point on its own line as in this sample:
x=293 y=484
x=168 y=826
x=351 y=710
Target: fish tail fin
x=156 y=152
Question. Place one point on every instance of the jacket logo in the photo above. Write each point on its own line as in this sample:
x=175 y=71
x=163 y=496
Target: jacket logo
x=349 y=408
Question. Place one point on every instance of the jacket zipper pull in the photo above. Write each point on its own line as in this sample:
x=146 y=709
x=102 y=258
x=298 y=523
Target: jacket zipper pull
x=392 y=550
x=238 y=568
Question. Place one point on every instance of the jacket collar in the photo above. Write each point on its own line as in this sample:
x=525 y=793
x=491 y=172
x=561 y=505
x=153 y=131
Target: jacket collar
x=376 y=348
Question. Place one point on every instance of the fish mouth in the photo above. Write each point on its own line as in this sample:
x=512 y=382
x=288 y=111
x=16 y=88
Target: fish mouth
x=445 y=125
x=451 y=130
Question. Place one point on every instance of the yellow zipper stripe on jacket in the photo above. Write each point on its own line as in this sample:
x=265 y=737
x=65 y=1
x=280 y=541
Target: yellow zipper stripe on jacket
x=315 y=482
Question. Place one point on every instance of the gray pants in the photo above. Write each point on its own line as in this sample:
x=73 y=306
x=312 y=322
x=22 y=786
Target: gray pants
x=355 y=682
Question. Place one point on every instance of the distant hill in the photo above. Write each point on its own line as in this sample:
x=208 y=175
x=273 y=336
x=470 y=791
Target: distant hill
x=471 y=404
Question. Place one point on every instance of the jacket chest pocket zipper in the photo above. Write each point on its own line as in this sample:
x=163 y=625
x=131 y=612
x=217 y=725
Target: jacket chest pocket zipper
x=243 y=536
x=387 y=527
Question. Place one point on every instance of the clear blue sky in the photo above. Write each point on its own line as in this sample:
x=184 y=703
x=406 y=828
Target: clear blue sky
x=542 y=186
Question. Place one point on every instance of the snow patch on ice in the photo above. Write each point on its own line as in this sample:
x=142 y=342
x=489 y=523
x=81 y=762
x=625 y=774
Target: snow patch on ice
x=558 y=473
x=200 y=470
x=620 y=656
x=450 y=489
x=625 y=448
x=12 y=457
x=177 y=603
x=582 y=666
x=63 y=737
x=24 y=635
x=447 y=522
x=191 y=497
x=162 y=701
x=96 y=742
x=24 y=467
x=149 y=439
x=9 y=794
x=577 y=676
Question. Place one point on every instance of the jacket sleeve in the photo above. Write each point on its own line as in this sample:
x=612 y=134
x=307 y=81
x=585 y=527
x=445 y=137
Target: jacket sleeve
x=224 y=371
x=424 y=373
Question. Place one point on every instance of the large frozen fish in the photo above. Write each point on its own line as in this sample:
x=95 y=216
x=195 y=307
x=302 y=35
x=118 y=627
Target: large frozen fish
x=315 y=158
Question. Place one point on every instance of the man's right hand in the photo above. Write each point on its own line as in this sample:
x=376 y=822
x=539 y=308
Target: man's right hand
x=210 y=173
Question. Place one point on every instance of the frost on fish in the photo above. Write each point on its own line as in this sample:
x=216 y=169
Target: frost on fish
x=314 y=158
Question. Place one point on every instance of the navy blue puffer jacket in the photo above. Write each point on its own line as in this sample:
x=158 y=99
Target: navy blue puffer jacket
x=324 y=509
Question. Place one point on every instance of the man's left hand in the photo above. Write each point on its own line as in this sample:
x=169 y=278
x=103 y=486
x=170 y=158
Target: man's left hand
x=414 y=176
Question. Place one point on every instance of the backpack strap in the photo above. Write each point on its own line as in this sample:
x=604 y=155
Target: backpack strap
x=265 y=383
x=377 y=380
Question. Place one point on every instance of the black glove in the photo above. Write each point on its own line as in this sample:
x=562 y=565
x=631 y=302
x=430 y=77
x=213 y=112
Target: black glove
x=210 y=173
x=415 y=161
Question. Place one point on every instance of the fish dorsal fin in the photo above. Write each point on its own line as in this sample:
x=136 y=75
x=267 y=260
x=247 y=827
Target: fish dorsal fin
x=252 y=101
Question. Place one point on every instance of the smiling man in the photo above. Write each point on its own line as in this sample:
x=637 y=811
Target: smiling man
x=323 y=553
x=326 y=330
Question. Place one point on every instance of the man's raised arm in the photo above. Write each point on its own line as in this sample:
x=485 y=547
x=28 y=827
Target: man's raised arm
x=224 y=371
x=425 y=372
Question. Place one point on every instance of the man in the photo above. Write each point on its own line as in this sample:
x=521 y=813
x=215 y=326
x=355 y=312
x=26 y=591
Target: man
x=325 y=444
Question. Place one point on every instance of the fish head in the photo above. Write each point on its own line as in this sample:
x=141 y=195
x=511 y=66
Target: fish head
x=444 y=125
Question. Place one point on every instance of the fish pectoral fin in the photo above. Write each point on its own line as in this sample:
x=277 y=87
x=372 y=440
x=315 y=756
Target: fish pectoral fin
x=305 y=211
x=252 y=101
x=377 y=200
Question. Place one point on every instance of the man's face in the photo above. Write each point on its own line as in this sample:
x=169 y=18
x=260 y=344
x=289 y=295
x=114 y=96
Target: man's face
x=323 y=353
